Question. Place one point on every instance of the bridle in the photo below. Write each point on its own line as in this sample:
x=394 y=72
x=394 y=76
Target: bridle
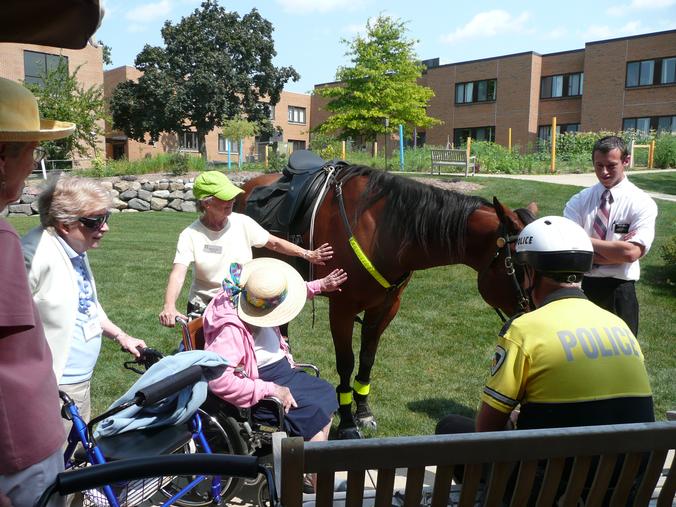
x=503 y=246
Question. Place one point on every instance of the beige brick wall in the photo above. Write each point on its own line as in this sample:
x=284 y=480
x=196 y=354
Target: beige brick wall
x=89 y=60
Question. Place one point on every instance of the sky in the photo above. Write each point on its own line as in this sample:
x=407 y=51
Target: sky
x=308 y=33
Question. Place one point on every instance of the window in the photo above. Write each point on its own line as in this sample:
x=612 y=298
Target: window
x=476 y=133
x=651 y=72
x=545 y=131
x=296 y=114
x=648 y=123
x=37 y=65
x=272 y=112
x=224 y=142
x=187 y=141
x=562 y=85
x=475 y=91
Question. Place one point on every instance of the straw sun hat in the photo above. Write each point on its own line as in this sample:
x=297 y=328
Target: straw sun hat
x=268 y=291
x=20 y=120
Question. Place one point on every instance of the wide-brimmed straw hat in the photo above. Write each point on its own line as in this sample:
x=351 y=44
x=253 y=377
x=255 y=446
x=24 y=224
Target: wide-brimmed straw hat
x=272 y=292
x=20 y=119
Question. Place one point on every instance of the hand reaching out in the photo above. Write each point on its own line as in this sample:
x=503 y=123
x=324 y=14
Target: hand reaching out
x=333 y=281
x=320 y=255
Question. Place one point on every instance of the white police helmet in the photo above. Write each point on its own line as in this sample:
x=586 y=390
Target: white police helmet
x=557 y=247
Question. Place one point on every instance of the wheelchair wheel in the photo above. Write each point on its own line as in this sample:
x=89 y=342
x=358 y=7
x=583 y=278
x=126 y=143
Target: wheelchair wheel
x=224 y=438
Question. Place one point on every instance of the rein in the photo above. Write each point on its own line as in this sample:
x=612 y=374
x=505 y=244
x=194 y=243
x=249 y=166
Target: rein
x=502 y=245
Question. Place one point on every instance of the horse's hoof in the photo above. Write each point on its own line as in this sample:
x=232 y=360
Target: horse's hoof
x=367 y=423
x=349 y=433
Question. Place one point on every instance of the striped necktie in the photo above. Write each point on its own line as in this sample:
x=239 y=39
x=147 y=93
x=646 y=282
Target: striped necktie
x=600 y=228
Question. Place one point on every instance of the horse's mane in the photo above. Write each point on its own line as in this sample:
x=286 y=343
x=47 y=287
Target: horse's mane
x=419 y=215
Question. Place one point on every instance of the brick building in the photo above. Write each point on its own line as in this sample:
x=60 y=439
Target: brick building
x=291 y=114
x=29 y=63
x=615 y=84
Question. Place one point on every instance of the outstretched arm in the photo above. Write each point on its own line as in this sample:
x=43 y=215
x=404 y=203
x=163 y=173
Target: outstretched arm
x=330 y=283
x=317 y=256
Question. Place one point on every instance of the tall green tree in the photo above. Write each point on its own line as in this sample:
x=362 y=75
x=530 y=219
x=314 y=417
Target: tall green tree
x=214 y=65
x=381 y=84
x=60 y=95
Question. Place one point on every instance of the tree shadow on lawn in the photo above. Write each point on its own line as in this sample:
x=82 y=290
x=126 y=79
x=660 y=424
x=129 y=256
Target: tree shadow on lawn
x=438 y=408
x=660 y=278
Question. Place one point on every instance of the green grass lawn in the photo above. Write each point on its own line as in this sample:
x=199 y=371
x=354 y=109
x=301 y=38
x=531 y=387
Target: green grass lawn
x=433 y=358
x=655 y=182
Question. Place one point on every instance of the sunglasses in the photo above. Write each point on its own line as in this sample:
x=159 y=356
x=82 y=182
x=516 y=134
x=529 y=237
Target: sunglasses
x=95 y=223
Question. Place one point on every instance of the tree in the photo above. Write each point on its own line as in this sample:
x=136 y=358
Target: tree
x=214 y=65
x=62 y=96
x=381 y=85
x=107 y=53
x=237 y=129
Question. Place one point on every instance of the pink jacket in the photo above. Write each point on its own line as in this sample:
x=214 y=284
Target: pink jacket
x=228 y=336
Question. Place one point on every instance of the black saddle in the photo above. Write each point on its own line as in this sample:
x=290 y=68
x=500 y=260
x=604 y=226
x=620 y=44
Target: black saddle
x=285 y=207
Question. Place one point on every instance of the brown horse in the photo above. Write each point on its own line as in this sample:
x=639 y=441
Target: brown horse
x=401 y=225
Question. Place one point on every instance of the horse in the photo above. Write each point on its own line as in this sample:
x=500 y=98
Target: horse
x=400 y=225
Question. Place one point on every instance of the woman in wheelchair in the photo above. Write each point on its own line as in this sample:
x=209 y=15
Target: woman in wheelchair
x=241 y=324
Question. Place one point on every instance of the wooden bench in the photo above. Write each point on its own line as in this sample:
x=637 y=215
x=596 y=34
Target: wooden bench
x=458 y=158
x=499 y=452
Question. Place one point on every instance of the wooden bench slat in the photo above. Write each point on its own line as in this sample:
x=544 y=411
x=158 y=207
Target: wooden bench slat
x=471 y=478
x=604 y=473
x=576 y=481
x=626 y=480
x=650 y=477
x=666 y=496
x=355 y=488
x=385 y=487
x=292 y=471
x=524 y=483
x=551 y=481
x=414 y=483
x=325 y=485
x=442 y=486
x=452 y=157
x=500 y=474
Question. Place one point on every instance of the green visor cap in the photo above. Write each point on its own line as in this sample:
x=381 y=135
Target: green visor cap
x=215 y=183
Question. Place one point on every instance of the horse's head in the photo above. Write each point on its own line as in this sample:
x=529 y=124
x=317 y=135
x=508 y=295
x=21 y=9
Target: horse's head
x=500 y=281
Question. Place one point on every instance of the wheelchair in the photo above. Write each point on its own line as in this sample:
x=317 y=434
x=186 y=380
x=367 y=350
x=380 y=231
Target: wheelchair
x=234 y=429
x=84 y=451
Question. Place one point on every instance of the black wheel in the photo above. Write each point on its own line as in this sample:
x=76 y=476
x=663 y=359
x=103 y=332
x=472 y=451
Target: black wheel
x=223 y=437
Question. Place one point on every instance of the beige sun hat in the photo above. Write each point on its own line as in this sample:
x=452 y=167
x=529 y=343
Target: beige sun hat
x=20 y=119
x=274 y=293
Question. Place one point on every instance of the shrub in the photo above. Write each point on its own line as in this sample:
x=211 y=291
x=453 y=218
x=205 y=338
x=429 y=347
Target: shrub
x=179 y=164
x=276 y=161
x=665 y=151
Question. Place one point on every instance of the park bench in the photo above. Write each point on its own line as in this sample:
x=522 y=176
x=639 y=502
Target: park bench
x=641 y=446
x=457 y=158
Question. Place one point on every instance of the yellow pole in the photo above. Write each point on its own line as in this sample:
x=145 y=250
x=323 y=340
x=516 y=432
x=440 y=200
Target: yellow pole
x=469 y=147
x=509 y=139
x=266 y=155
x=651 y=154
x=289 y=148
x=375 y=149
x=343 y=151
x=553 y=166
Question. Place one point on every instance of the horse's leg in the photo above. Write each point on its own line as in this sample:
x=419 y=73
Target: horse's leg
x=375 y=322
x=342 y=323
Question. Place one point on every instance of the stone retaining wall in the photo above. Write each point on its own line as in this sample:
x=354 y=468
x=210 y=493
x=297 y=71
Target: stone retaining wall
x=130 y=194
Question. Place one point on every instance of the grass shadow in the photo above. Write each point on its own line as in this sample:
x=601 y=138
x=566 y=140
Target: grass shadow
x=662 y=279
x=437 y=408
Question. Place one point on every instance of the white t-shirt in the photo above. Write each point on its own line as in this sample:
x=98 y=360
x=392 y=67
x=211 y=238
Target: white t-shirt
x=631 y=210
x=212 y=252
x=266 y=346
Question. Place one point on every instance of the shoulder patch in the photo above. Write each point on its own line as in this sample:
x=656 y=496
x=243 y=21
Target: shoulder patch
x=498 y=359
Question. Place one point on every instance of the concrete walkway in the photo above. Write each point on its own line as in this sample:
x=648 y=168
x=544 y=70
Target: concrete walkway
x=584 y=179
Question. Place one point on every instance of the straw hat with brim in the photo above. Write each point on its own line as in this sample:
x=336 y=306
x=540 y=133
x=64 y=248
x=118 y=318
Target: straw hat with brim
x=215 y=183
x=20 y=120
x=274 y=293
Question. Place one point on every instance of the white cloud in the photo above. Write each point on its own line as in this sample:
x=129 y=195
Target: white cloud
x=134 y=28
x=598 y=32
x=149 y=12
x=651 y=4
x=307 y=6
x=556 y=33
x=489 y=24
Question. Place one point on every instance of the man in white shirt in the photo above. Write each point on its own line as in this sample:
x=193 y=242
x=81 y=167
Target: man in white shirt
x=620 y=220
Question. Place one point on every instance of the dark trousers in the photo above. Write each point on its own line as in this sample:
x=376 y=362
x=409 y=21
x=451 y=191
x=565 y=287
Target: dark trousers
x=616 y=296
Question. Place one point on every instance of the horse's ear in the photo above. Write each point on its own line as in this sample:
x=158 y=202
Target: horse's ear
x=533 y=208
x=506 y=216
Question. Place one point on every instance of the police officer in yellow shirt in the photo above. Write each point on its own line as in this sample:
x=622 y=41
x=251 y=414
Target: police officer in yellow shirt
x=569 y=362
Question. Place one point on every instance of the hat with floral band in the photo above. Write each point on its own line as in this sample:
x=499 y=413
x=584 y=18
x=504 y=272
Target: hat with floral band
x=266 y=292
x=20 y=118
